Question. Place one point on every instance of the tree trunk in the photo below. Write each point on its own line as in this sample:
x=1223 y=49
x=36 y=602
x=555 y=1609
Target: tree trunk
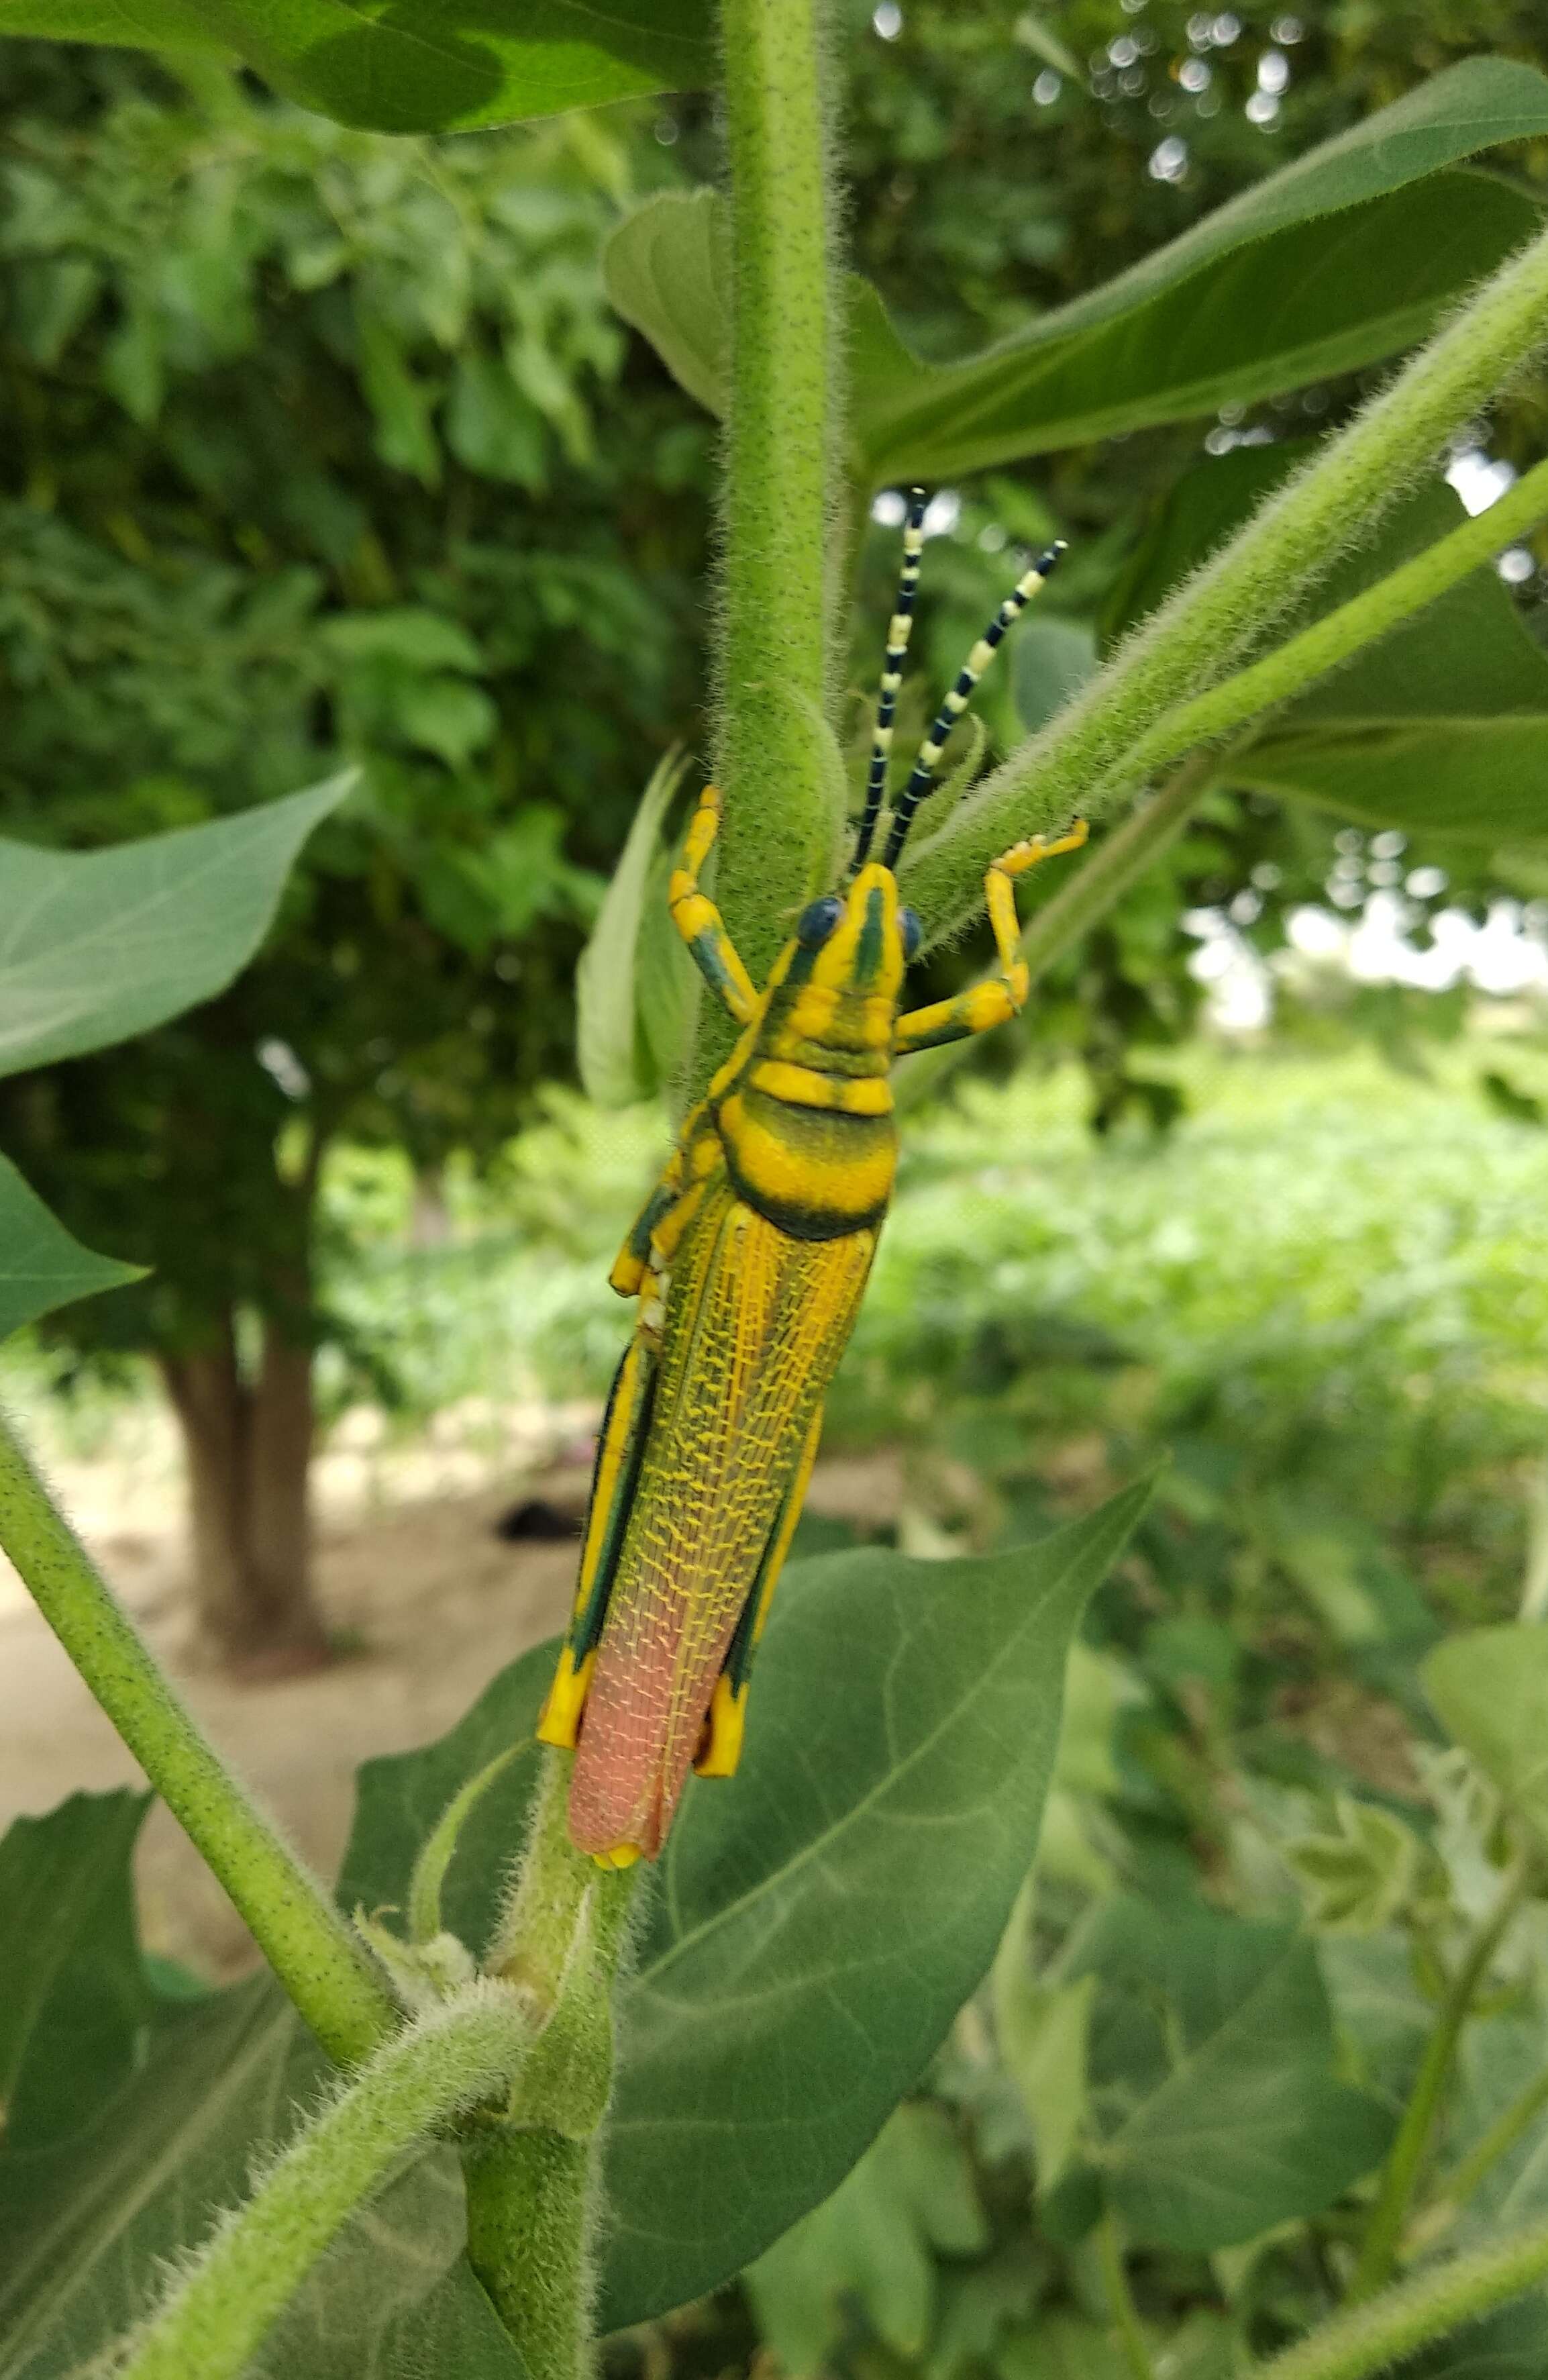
x=249 y=1446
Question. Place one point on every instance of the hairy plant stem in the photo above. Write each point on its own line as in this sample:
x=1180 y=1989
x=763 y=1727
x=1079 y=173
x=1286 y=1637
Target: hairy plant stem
x=1339 y=635
x=532 y=2184
x=775 y=757
x=215 y=2316
x=326 y=1971
x=1373 y=2337
x=1087 y=895
x=1082 y=760
x=1404 y=2162
x=1121 y=2300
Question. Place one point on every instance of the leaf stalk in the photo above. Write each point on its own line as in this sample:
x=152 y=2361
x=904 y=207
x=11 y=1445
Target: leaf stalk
x=215 y=2316
x=1084 y=759
x=326 y=1971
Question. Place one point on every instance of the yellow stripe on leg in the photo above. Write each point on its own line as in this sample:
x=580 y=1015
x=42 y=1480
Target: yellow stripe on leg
x=558 y=1721
x=724 y=1729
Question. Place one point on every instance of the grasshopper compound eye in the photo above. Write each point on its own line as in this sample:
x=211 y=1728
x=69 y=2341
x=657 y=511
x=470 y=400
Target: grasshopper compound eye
x=817 y=920
x=911 y=931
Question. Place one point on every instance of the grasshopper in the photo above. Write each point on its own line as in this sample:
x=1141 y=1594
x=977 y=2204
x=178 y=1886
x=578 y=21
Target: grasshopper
x=749 y=1259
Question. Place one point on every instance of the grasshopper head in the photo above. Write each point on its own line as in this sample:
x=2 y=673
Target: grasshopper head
x=859 y=941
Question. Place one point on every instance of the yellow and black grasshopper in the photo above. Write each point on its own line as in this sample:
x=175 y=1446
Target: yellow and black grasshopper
x=749 y=1259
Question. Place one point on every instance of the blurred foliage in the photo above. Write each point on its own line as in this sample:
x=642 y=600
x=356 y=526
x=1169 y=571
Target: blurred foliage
x=324 y=447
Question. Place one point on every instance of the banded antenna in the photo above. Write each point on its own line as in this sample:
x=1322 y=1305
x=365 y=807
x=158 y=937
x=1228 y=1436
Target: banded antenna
x=956 y=702
x=898 y=634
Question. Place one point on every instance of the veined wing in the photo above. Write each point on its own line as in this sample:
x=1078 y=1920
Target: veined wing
x=754 y=1325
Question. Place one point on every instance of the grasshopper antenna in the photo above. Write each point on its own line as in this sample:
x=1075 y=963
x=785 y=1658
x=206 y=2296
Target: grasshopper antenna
x=898 y=634
x=951 y=710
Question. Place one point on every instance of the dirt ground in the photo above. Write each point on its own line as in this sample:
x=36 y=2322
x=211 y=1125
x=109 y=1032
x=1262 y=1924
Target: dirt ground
x=413 y=1575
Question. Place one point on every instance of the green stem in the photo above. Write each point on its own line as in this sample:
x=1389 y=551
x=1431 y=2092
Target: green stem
x=1373 y=2337
x=1121 y=2300
x=1401 y=2173
x=532 y=2181
x=324 y=1969
x=1339 y=635
x=1496 y=2143
x=216 y=2315
x=1080 y=762
x=775 y=754
x=1087 y=895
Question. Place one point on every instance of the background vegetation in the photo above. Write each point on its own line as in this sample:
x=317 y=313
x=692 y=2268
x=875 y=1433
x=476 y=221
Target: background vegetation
x=328 y=447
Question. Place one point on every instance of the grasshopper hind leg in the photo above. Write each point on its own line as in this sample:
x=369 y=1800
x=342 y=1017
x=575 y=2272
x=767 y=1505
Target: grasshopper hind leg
x=721 y=1745
x=620 y=1446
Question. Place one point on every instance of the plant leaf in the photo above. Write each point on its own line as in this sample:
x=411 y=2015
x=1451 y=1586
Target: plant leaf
x=76 y=1995
x=658 y=269
x=1490 y=1688
x=889 y=1800
x=90 y=2225
x=98 y=945
x=912 y=2192
x=1211 y=2062
x=434 y=66
x=616 y=1054
x=41 y=1266
x=1363 y=242
x=933 y=1692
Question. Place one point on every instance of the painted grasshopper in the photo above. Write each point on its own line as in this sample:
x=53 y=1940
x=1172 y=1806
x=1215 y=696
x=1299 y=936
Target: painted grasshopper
x=749 y=1259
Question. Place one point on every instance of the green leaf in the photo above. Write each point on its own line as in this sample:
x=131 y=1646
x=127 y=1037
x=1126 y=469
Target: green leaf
x=1490 y=1689
x=1045 y=2049
x=1441 y=726
x=41 y=1266
x=98 y=945
x=873 y=2242
x=444 y=715
x=91 y=2224
x=618 y=1059
x=493 y=428
x=410 y=633
x=660 y=269
x=1211 y=2066
x=440 y=65
x=890 y=1794
x=905 y=1721
x=1363 y=242
x=76 y=1995
x=1063 y=2346
x=1358 y=1876
x=1051 y=660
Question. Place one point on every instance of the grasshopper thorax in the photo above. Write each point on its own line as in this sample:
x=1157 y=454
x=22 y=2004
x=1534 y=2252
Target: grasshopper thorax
x=805 y=1107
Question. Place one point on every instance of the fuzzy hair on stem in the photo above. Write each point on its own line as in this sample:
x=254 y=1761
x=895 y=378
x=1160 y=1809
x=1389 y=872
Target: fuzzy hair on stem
x=775 y=636
x=1078 y=763
x=219 y=2307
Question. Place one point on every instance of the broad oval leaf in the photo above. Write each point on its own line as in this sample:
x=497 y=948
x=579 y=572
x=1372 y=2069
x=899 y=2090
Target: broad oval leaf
x=98 y=945
x=1212 y=2065
x=416 y=66
x=76 y=1996
x=819 y=1920
x=1363 y=242
x=42 y=1267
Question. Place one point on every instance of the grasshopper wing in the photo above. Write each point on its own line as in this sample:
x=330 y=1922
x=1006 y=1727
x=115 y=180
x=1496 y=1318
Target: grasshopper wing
x=754 y=1325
